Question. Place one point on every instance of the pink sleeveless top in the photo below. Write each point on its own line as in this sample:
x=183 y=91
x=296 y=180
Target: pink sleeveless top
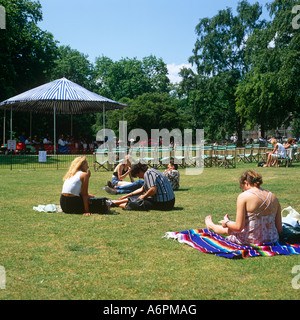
x=259 y=228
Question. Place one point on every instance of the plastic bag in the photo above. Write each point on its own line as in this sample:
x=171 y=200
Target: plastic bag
x=292 y=213
x=292 y=218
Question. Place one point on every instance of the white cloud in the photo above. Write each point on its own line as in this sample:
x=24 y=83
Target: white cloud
x=174 y=69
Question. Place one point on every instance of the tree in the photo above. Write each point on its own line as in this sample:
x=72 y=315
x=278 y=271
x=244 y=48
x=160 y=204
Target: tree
x=269 y=93
x=131 y=77
x=147 y=111
x=74 y=66
x=27 y=55
x=215 y=115
x=26 y=52
x=219 y=54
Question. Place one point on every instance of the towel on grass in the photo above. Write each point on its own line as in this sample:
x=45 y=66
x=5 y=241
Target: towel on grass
x=209 y=242
x=47 y=208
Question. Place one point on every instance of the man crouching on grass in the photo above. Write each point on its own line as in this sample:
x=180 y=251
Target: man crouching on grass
x=155 y=194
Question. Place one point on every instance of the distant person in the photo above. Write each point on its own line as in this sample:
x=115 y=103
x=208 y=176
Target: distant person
x=47 y=140
x=122 y=170
x=291 y=143
x=22 y=137
x=62 y=145
x=258 y=215
x=173 y=175
x=155 y=194
x=279 y=151
x=29 y=145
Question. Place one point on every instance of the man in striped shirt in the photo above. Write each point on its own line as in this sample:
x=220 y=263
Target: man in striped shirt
x=156 y=193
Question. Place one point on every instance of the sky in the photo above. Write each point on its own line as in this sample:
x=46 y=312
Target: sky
x=132 y=28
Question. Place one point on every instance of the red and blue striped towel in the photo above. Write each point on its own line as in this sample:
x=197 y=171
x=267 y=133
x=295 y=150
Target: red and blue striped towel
x=209 y=242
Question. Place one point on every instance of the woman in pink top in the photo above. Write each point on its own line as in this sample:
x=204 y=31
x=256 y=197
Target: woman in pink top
x=258 y=215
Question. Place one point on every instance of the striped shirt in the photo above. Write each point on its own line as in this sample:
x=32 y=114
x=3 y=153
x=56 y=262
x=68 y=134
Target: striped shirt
x=155 y=178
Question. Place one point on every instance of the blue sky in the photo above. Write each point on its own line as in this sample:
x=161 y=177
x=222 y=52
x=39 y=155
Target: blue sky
x=131 y=28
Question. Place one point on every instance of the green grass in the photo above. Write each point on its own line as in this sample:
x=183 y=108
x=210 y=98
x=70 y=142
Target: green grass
x=124 y=255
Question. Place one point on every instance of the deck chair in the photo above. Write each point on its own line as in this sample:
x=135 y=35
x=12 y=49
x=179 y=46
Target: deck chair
x=150 y=156
x=288 y=159
x=248 y=151
x=230 y=157
x=165 y=156
x=206 y=156
x=256 y=152
x=100 y=160
x=220 y=156
x=297 y=153
x=181 y=156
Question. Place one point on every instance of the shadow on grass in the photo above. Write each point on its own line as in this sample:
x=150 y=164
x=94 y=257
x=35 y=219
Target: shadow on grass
x=177 y=209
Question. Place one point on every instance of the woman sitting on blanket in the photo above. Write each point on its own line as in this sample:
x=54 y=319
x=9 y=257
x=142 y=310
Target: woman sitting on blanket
x=258 y=215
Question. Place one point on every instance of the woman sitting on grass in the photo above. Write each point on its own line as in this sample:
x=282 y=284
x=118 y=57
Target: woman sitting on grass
x=74 y=197
x=258 y=215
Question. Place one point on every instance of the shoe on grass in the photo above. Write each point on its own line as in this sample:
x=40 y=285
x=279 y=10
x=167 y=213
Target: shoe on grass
x=111 y=190
x=109 y=183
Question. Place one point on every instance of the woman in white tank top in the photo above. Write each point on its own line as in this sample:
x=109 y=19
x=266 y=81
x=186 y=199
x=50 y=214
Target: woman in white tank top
x=75 y=197
x=279 y=151
x=258 y=215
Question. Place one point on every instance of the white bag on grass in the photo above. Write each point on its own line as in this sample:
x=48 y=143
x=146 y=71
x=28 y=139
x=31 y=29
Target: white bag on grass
x=46 y=208
x=292 y=218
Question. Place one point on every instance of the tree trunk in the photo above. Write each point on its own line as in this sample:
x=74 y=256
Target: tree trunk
x=239 y=129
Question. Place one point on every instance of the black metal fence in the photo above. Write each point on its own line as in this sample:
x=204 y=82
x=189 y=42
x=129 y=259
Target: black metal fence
x=59 y=161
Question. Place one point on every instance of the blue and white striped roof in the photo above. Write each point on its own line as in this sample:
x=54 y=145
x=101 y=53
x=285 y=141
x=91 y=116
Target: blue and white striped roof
x=67 y=96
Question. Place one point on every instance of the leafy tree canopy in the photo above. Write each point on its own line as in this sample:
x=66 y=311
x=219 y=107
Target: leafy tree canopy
x=27 y=53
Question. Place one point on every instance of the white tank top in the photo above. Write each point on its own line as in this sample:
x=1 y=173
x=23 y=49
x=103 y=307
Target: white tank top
x=73 y=185
x=281 y=150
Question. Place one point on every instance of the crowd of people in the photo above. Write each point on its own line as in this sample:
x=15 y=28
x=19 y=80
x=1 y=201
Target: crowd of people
x=153 y=189
x=65 y=144
x=279 y=151
x=258 y=213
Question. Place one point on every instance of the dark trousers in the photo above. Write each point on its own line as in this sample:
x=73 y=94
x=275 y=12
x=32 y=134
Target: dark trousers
x=72 y=204
x=148 y=204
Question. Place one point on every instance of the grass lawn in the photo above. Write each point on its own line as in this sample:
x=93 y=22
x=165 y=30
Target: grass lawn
x=123 y=255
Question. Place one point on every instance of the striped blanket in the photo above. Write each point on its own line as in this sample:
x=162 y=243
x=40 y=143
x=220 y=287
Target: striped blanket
x=210 y=242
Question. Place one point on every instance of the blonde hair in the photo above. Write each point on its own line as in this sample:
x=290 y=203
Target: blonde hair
x=75 y=166
x=273 y=141
x=128 y=158
x=252 y=177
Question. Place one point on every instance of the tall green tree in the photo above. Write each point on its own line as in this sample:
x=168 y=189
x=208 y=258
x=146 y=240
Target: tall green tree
x=27 y=56
x=75 y=66
x=219 y=55
x=147 y=111
x=269 y=94
x=131 y=77
x=27 y=53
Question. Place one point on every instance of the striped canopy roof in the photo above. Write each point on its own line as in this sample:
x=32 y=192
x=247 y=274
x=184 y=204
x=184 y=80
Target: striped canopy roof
x=67 y=97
